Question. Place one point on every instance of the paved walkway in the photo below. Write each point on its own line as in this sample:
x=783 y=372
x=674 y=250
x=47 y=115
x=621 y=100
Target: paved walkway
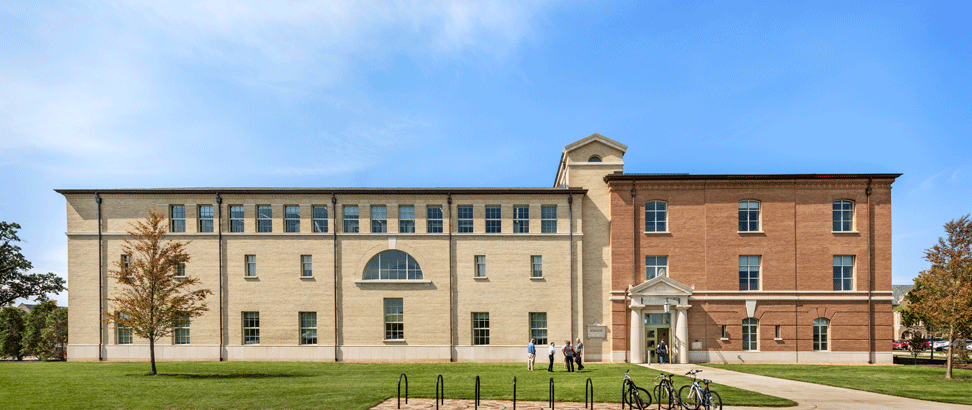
x=808 y=395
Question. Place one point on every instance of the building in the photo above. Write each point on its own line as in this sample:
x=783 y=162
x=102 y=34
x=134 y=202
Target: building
x=901 y=331
x=725 y=268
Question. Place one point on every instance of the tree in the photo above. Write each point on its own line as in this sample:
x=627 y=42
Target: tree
x=11 y=332
x=942 y=295
x=916 y=345
x=15 y=282
x=152 y=298
x=55 y=338
x=33 y=336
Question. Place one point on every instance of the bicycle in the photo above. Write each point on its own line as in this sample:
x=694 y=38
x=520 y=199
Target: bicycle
x=692 y=396
x=665 y=392
x=633 y=395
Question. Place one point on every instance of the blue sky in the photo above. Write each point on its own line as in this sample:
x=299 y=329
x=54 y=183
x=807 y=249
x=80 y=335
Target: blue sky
x=319 y=94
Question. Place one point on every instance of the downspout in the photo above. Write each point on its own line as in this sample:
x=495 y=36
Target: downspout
x=796 y=282
x=570 y=212
x=870 y=274
x=452 y=296
x=222 y=324
x=101 y=285
x=334 y=231
x=634 y=267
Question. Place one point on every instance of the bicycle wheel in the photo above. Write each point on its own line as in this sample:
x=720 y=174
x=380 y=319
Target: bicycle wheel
x=639 y=398
x=714 y=402
x=663 y=397
x=689 y=398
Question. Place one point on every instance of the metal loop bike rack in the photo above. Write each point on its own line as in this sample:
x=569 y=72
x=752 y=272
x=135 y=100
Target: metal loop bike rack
x=400 y=390
x=477 y=393
x=514 y=392
x=551 y=394
x=439 y=397
x=587 y=386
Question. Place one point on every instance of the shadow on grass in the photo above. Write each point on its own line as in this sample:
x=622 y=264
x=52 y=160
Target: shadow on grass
x=219 y=376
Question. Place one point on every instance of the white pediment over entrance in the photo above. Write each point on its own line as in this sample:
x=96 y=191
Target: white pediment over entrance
x=660 y=290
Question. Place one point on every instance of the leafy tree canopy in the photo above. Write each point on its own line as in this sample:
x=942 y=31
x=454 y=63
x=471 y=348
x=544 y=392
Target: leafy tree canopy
x=15 y=282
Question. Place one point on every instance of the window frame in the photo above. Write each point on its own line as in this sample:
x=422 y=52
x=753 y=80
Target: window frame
x=480 y=328
x=538 y=326
x=394 y=319
x=237 y=222
x=843 y=216
x=749 y=221
x=658 y=217
x=180 y=331
x=350 y=219
x=433 y=219
x=464 y=218
x=177 y=223
x=204 y=217
x=548 y=218
x=319 y=221
x=821 y=344
x=521 y=219
x=264 y=218
x=536 y=266
x=749 y=276
x=249 y=266
x=376 y=269
x=479 y=266
x=844 y=274
x=250 y=328
x=180 y=270
x=406 y=225
x=379 y=218
x=291 y=220
x=494 y=219
x=123 y=334
x=750 y=334
x=126 y=261
x=306 y=266
x=304 y=327
x=652 y=267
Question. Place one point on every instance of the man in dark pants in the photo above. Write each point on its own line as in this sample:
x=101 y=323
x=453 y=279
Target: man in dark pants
x=579 y=354
x=568 y=356
x=551 y=352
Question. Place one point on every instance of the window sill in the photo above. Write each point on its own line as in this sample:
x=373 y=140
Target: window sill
x=251 y=277
x=724 y=339
x=394 y=341
x=778 y=339
x=658 y=233
x=751 y=232
x=481 y=278
x=307 y=277
x=392 y=281
x=845 y=232
x=538 y=278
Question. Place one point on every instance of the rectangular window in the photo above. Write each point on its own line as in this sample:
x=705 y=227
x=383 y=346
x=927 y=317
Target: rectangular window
x=725 y=333
x=308 y=327
x=350 y=219
x=843 y=216
x=126 y=261
x=656 y=266
x=306 y=266
x=821 y=326
x=250 y=261
x=480 y=328
x=433 y=219
x=749 y=272
x=394 y=319
x=292 y=218
x=180 y=332
x=494 y=219
x=537 y=262
x=251 y=328
x=748 y=216
x=656 y=216
x=205 y=218
x=843 y=272
x=178 y=218
x=750 y=332
x=480 y=266
x=320 y=218
x=538 y=327
x=264 y=218
x=379 y=219
x=464 y=217
x=236 y=218
x=406 y=219
x=521 y=219
x=778 y=332
x=123 y=334
x=181 y=270
x=548 y=219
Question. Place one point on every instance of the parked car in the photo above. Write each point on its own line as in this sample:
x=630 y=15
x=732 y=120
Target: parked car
x=968 y=346
x=940 y=345
x=900 y=344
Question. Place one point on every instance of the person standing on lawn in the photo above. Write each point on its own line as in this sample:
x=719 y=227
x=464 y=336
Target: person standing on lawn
x=568 y=356
x=578 y=354
x=531 y=354
x=551 y=351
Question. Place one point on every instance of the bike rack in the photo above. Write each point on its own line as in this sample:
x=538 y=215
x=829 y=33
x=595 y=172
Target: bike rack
x=551 y=402
x=439 y=398
x=477 y=393
x=588 y=385
x=623 y=398
x=400 y=390
x=514 y=392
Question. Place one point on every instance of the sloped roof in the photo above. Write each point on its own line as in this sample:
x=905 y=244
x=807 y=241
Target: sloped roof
x=599 y=138
x=898 y=293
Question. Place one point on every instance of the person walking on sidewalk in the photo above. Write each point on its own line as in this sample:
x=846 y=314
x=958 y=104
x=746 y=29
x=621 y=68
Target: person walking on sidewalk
x=662 y=351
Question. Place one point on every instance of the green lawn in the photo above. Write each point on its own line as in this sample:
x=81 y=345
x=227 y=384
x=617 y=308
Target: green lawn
x=917 y=382
x=257 y=385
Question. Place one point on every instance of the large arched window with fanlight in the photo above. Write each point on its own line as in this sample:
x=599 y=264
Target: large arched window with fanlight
x=393 y=265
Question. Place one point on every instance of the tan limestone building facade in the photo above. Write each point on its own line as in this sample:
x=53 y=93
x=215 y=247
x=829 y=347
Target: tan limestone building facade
x=723 y=268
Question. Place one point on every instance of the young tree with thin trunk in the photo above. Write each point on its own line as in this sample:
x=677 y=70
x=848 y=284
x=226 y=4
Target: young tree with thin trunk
x=942 y=295
x=151 y=298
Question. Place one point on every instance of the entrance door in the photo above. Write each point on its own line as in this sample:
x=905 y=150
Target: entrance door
x=657 y=328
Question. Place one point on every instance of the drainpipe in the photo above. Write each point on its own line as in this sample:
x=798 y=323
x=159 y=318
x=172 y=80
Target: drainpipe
x=634 y=267
x=101 y=285
x=452 y=298
x=570 y=212
x=334 y=205
x=222 y=325
x=870 y=274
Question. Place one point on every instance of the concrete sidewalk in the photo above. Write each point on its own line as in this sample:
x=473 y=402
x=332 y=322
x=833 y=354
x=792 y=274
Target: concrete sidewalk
x=808 y=395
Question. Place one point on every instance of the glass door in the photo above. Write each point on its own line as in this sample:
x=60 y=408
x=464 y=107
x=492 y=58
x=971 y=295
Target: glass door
x=657 y=329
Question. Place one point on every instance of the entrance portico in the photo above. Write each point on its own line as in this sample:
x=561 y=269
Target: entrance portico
x=658 y=298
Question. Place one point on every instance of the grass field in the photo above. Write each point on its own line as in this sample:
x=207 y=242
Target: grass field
x=917 y=382
x=258 y=385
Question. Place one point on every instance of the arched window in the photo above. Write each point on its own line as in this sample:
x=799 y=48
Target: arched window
x=843 y=216
x=821 y=334
x=392 y=265
x=656 y=216
x=748 y=216
x=594 y=158
x=750 y=334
